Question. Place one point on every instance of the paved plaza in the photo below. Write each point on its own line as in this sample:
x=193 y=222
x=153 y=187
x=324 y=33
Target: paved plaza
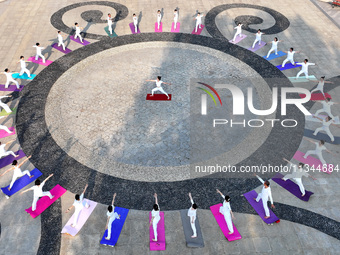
x=85 y=119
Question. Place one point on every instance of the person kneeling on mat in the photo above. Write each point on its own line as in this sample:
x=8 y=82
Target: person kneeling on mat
x=225 y=209
x=192 y=214
x=155 y=218
x=111 y=217
x=264 y=195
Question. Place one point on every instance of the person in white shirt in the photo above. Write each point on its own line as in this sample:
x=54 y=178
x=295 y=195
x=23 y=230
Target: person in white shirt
x=3 y=127
x=264 y=195
x=109 y=22
x=135 y=22
x=238 y=31
x=321 y=85
x=37 y=191
x=17 y=173
x=175 y=18
x=325 y=126
x=290 y=57
x=192 y=216
x=274 y=46
x=326 y=107
x=297 y=174
x=198 y=19
x=304 y=68
x=10 y=79
x=5 y=106
x=61 y=40
x=78 y=31
x=4 y=153
x=78 y=205
x=257 y=38
x=318 y=150
x=159 y=18
x=38 y=52
x=111 y=217
x=155 y=218
x=225 y=209
x=158 y=86
x=23 y=67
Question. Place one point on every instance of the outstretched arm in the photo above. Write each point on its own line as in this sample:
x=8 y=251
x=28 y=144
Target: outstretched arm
x=156 y=198
x=331 y=152
x=316 y=117
x=309 y=140
x=11 y=141
x=166 y=83
x=219 y=192
x=24 y=161
x=48 y=177
x=258 y=177
x=150 y=80
x=85 y=188
x=287 y=160
x=113 y=199
x=191 y=200
x=26 y=190
x=10 y=169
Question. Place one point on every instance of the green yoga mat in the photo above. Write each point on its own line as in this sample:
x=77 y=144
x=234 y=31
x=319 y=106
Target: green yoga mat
x=108 y=32
x=4 y=113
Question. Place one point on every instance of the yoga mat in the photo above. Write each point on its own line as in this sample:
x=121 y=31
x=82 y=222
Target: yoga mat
x=108 y=32
x=303 y=79
x=3 y=133
x=215 y=209
x=4 y=113
x=317 y=96
x=258 y=206
x=44 y=202
x=199 y=30
x=292 y=187
x=11 y=88
x=321 y=136
x=160 y=244
x=78 y=40
x=287 y=66
x=313 y=162
x=82 y=218
x=117 y=226
x=238 y=39
x=257 y=46
x=158 y=97
x=132 y=27
x=177 y=27
x=273 y=56
x=21 y=183
x=160 y=27
x=9 y=159
x=23 y=77
x=197 y=242
x=60 y=48
x=40 y=62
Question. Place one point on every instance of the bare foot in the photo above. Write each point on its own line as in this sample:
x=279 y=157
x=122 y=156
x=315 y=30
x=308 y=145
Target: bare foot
x=193 y=236
x=16 y=156
x=151 y=95
x=267 y=217
x=52 y=197
x=73 y=226
x=107 y=238
x=303 y=195
x=283 y=179
x=154 y=240
x=9 y=189
x=230 y=233
x=31 y=176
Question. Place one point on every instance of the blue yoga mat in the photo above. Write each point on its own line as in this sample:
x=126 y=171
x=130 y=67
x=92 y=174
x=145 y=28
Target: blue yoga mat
x=9 y=159
x=273 y=56
x=21 y=182
x=24 y=76
x=321 y=136
x=117 y=226
x=287 y=66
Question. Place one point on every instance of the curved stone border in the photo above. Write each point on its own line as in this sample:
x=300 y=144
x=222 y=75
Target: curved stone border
x=281 y=22
x=57 y=17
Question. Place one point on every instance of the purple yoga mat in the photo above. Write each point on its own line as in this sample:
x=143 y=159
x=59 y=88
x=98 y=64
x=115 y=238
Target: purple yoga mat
x=238 y=39
x=215 y=209
x=258 y=206
x=83 y=216
x=60 y=48
x=40 y=62
x=199 y=30
x=78 y=40
x=316 y=163
x=177 y=27
x=9 y=159
x=3 y=133
x=10 y=88
x=132 y=27
x=257 y=46
x=292 y=187
x=160 y=27
x=160 y=244
x=287 y=66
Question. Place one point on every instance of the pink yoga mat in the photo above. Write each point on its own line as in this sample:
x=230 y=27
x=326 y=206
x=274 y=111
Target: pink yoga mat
x=132 y=27
x=83 y=216
x=3 y=133
x=177 y=27
x=257 y=46
x=78 y=40
x=44 y=202
x=160 y=244
x=40 y=62
x=11 y=88
x=215 y=209
x=238 y=39
x=316 y=163
x=60 y=48
x=160 y=27
x=199 y=30
x=316 y=96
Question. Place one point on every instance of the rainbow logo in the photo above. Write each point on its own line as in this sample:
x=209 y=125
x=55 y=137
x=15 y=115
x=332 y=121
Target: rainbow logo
x=204 y=97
